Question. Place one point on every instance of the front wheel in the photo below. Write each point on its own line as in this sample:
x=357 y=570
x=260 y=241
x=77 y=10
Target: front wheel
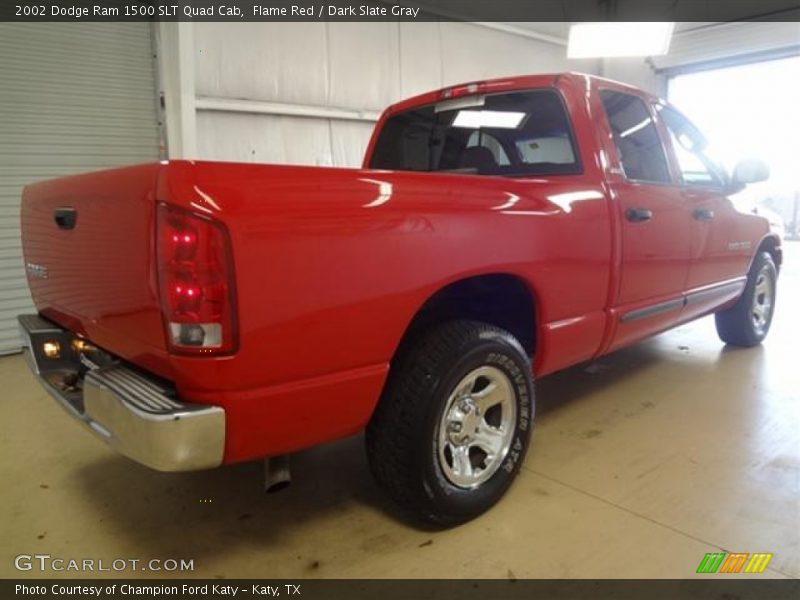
x=747 y=322
x=454 y=422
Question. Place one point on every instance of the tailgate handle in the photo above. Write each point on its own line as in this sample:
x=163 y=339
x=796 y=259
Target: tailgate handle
x=66 y=217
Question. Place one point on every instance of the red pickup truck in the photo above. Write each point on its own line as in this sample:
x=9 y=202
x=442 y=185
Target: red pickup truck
x=194 y=314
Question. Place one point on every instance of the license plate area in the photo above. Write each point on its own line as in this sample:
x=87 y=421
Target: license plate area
x=60 y=358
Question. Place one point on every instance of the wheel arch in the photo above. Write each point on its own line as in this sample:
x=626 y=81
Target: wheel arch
x=503 y=299
x=770 y=243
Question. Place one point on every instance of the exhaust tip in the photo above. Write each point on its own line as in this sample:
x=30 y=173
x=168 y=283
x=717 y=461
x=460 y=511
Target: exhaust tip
x=277 y=487
x=277 y=474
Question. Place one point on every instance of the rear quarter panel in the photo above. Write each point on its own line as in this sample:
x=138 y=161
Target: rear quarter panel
x=333 y=264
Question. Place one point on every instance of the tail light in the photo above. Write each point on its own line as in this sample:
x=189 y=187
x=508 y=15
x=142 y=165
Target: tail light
x=195 y=278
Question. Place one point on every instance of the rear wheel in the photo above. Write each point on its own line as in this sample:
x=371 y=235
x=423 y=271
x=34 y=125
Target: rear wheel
x=454 y=422
x=747 y=322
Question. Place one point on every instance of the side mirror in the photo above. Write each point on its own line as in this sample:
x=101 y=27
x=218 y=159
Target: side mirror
x=750 y=170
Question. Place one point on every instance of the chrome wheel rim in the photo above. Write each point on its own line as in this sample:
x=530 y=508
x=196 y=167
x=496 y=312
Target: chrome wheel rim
x=761 y=310
x=476 y=427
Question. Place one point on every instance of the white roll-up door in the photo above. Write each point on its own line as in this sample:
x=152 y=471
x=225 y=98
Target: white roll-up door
x=719 y=41
x=74 y=97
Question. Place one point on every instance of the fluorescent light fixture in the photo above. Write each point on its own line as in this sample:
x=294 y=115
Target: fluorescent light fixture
x=475 y=119
x=595 y=40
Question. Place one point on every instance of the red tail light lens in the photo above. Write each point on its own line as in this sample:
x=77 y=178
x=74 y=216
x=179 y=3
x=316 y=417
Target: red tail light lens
x=195 y=278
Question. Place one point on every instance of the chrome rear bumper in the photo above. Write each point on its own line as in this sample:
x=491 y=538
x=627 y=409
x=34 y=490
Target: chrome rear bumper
x=134 y=413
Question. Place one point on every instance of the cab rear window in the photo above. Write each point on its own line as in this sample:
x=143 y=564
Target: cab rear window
x=508 y=134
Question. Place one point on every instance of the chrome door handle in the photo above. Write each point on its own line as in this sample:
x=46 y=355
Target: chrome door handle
x=703 y=214
x=638 y=215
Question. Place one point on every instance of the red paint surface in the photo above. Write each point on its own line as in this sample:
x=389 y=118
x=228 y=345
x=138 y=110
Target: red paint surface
x=327 y=279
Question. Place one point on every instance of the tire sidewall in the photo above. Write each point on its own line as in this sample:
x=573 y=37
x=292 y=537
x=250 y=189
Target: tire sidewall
x=504 y=354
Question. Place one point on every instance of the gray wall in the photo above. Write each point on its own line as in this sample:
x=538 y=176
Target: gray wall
x=358 y=67
x=309 y=93
x=636 y=71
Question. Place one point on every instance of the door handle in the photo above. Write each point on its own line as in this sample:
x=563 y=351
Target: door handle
x=638 y=215
x=65 y=217
x=703 y=214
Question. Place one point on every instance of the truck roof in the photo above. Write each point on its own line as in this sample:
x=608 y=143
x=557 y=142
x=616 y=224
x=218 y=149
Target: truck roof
x=505 y=84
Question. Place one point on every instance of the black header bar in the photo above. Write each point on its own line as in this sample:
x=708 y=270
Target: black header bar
x=399 y=10
x=708 y=588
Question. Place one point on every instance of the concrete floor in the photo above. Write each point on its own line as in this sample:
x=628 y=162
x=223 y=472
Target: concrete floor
x=641 y=463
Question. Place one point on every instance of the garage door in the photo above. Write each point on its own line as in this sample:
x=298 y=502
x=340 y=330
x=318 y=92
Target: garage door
x=74 y=97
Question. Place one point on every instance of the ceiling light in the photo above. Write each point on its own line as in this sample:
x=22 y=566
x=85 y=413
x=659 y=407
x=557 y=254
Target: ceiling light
x=595 y=40
x=475 y=119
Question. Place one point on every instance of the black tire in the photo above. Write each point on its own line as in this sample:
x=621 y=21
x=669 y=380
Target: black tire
x=403 y=436
x=739 y=325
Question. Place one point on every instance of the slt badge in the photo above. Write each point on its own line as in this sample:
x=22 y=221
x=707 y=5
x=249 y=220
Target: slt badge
x=36 y=271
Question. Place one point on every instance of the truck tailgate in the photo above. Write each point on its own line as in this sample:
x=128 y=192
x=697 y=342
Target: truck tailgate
x=88 y=245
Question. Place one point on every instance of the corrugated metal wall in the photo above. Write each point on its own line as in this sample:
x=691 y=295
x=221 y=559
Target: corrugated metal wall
x=74 y=97
x=353 y=66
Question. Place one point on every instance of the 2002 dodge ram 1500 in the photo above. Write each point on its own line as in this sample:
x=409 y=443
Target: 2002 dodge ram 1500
x=197 y=313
